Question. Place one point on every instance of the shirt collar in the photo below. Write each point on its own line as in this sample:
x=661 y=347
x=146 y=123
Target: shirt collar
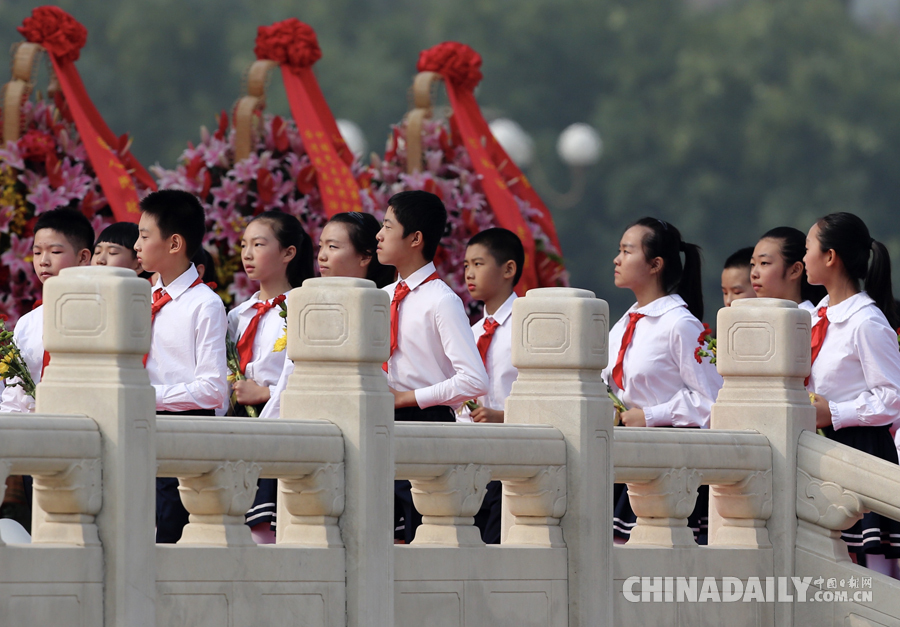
x=659 y=306
x=842 y=311
x=418 y=277
x=180 y=285
x=503 y=311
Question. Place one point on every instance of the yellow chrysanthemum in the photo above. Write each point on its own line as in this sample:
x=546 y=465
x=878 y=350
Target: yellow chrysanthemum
x=281 y=343
x=231 y=378
x=4 y=368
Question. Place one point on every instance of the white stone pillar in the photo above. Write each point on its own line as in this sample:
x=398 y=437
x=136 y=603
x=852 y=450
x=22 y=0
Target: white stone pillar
x=764 y=355
x=97 y=330
x=338 y=337
x=560 y=338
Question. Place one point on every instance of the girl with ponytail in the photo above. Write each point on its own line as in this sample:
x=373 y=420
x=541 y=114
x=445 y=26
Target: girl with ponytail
x=276 y=252
x=656 y=372
x=777 y=270
x=855 y=375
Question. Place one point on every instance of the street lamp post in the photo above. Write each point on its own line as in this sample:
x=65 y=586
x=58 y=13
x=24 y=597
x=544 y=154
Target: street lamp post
x=579 y=146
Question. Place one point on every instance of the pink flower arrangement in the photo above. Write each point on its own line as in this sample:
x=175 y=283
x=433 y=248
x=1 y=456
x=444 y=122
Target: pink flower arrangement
x=45 y=169
x=277 y=175
x=447 y=172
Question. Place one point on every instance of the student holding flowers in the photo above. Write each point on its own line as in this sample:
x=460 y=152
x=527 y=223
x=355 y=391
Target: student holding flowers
x=656 y=373
x=855 y=374
x=277 y=253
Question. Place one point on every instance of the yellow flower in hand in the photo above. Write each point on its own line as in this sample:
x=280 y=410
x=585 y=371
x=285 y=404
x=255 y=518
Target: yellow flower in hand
x=4 y=368
x=281 y=343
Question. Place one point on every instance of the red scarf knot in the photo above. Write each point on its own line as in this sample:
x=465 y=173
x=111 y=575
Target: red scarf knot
x=618 y=373
x=457 y=63
x=484 y=342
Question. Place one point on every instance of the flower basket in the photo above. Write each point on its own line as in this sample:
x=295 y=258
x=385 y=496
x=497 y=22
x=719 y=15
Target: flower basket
x=44 y=160
x=257 y=162
x=458 y=159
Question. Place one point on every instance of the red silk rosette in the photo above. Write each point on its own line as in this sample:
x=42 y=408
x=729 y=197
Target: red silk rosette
x=294 y=46
x=290 y=43
x=57 y=31
x=503 y=182
x=63 y=37
x=457 y=63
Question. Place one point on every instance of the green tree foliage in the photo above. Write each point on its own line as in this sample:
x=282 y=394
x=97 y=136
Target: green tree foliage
x=725 y=122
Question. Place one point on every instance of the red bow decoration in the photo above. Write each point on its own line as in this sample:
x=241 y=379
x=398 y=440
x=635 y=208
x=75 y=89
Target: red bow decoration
x=63 y=37
x=294 y=46
x=503 y=182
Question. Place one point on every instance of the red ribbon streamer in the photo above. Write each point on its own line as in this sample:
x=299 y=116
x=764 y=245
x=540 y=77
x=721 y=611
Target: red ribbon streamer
x=293 y=45
x=503 y=181
x=63 y=37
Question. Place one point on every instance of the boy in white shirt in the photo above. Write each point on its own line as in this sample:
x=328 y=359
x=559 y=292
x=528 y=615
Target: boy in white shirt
x=63 y=238
x=493 y=264
x=186 y=362
x=434 y=365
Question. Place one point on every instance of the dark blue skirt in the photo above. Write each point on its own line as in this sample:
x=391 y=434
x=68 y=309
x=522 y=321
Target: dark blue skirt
x=874 y=533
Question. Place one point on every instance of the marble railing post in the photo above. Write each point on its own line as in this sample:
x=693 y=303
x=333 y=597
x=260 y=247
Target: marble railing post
x=763 y=354
x=97 y=329
x=559 y=345
x=338 y=337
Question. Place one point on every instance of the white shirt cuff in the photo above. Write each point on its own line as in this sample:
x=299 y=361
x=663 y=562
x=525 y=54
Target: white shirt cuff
x=842 y=414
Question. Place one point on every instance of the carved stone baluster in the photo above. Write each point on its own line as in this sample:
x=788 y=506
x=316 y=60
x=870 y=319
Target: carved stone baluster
x=217 y=502
x=448 y=505
x=71 y=499
x=744 y=507
x=315 y=502
x=537 y=505
x=824 y=509
x=662 y=507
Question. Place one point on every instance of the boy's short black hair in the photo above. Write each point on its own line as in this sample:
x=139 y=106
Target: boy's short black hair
x=421 y=211
x=503 y=245
x=739 y=259
x=123 y=234
x=72 y=224
x=177 y=212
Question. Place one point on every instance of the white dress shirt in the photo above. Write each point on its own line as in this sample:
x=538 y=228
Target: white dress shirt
x=436 y=355
x=29 y=337
x=266 y=365
x=273 y=405
x=858 y=367
x=186 y=362
x=807 y=306
x=661 y=373
x=501 y=373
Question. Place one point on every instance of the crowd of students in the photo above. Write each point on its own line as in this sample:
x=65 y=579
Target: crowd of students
x=441 y=369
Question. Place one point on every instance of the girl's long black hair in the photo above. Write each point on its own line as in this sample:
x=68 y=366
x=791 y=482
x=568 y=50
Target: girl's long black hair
x=793 y=248
x=683 y=278
x=848 y=236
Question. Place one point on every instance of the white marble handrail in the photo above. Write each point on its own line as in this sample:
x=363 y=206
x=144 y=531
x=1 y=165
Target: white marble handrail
x=664 y=469
x=721 y=457
x=63 y=454
x=450 y=465
x=836 y=485
x=219 y=460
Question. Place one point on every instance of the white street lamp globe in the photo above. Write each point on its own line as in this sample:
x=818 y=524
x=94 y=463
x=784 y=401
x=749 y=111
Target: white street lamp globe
x=354 y=137
x=514 y=140
x=579 y=145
